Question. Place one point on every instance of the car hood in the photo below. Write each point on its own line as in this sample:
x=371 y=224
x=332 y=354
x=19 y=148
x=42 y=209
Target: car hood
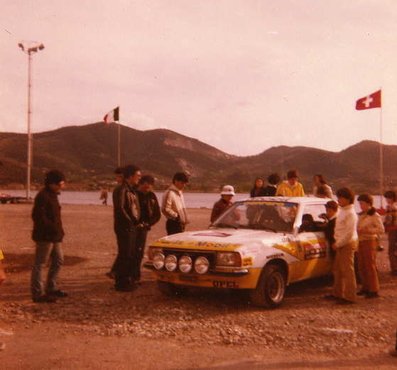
x=221 y=239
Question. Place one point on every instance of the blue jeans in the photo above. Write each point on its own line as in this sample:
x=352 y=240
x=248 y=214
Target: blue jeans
x=44 y=251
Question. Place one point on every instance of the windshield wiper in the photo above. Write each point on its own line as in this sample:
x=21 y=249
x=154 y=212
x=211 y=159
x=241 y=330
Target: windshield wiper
x=226 y=226
x=261 y=227
x=269 y=228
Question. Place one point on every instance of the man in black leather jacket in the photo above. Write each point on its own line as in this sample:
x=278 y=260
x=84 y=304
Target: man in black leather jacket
x=126 y=220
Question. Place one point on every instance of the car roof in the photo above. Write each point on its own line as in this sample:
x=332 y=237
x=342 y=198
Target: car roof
x=300 y=200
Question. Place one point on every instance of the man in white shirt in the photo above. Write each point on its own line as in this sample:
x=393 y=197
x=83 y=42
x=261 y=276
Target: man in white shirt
x=346 y=241
x=173 y=205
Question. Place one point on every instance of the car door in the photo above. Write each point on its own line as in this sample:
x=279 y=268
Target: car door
x=312 y=248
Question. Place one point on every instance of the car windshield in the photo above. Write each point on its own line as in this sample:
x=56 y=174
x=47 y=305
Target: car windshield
x=259 y=215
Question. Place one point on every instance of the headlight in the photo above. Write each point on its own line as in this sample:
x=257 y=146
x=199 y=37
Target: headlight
x=171 y=262
x=158 y=261
x=185 y=264
x=201 y=265
x=228 y=259
x=152 y=251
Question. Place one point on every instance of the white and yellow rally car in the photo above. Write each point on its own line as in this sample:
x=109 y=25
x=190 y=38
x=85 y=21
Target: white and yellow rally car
x=257 y=244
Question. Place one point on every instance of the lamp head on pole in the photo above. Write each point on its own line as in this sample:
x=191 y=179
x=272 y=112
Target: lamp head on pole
x=30 y=46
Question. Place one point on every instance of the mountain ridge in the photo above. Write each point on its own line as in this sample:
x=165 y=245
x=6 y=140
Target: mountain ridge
x=87 y=154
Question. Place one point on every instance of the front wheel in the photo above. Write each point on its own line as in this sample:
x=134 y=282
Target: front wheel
x=271 y=287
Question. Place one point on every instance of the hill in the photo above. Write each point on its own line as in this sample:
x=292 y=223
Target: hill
x=88 y=155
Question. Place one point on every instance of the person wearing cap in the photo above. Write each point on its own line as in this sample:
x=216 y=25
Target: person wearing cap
x=173 y=205
x=224 y=203
x=48 y=234
x=291 y=187
x=369 y=229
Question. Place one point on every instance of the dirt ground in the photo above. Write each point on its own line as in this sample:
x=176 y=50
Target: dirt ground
x=98 y=328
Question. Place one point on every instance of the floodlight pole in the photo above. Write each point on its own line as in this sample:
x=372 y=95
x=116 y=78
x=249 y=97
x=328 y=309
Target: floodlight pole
x=30 y=141
x=29 y=49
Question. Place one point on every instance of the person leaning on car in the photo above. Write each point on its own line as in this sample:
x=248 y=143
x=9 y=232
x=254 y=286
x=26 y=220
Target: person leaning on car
x=173 y=205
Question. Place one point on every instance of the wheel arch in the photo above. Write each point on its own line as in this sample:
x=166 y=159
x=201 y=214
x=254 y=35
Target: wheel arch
x=280 y=263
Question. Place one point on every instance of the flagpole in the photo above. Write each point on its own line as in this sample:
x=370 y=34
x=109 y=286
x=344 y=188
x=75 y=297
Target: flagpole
x=118 y=144
x=381 y=180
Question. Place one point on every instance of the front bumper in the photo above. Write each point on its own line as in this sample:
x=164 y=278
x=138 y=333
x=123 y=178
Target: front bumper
x=230 y=278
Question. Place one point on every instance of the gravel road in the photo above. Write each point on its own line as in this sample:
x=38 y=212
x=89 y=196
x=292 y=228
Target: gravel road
x=97 y=327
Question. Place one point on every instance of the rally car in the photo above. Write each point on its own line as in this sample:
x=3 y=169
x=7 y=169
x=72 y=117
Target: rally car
x=258 y=244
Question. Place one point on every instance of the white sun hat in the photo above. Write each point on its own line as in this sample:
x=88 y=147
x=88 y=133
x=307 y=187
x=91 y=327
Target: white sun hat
x=228 y=190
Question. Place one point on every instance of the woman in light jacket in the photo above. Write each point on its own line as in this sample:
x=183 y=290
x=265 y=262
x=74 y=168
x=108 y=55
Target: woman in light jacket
x=369 y=228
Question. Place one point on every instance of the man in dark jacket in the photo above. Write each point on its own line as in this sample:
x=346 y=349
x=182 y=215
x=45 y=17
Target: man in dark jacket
x=48 y=234
x=271 y=188
x=150 y=215
x=126 y=219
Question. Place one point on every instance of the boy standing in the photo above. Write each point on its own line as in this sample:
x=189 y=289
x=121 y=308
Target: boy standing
x=292 y=187
x=150 y=215
x=173 y=206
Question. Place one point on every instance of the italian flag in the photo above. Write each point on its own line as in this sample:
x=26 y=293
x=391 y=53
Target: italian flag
x=112 y=116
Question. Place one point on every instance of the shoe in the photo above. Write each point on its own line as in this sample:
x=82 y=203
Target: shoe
x=111 y=275
x=127 y=288
x=393 y=352
x=58 y=293
x=380 y=248
x=44 y=299
x=362 y=292
x=372 y=295
x=330 y=297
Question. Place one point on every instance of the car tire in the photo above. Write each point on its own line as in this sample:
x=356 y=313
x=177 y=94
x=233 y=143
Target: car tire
x=170 y=289
x=270 y=289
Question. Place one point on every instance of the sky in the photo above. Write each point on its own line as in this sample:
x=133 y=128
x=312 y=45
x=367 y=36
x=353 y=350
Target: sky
x=242 y=76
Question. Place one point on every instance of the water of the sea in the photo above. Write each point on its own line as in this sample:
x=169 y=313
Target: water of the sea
x=192 y=200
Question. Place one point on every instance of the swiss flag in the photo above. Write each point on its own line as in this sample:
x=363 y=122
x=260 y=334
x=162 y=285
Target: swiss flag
x=371 y=101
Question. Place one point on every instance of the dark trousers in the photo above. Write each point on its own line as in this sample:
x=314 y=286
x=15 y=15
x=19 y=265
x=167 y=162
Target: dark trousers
x=393 y=251
x=174 y=227
x=140 y=250
x=126 y=244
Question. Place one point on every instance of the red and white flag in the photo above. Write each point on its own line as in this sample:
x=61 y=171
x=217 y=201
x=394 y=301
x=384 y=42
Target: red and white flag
x=371 y=101
x=112 y=116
